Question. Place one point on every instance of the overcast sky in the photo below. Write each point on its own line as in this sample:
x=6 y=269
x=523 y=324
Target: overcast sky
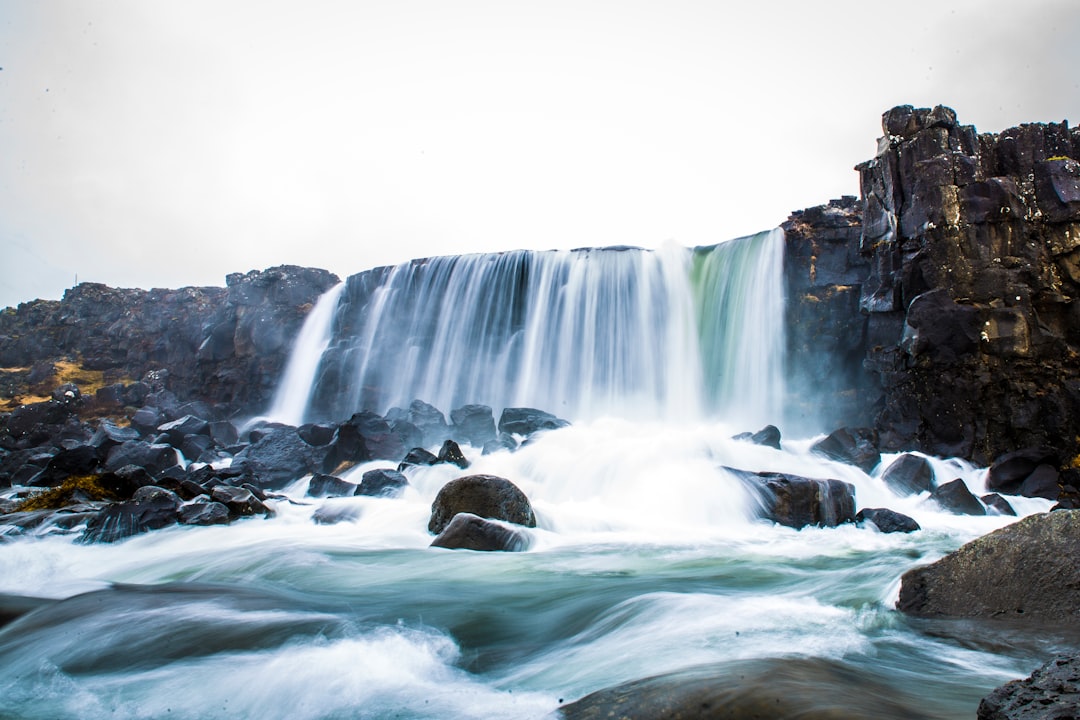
x=146 y=143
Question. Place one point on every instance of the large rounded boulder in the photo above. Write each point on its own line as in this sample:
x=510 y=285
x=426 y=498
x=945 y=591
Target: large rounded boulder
x=1026 y=571
x=486 y=496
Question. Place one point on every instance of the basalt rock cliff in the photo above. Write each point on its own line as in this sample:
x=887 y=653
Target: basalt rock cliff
x=225 y=347
x=941 y=307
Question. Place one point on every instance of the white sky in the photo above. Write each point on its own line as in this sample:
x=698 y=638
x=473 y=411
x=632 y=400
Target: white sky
x=146 y=143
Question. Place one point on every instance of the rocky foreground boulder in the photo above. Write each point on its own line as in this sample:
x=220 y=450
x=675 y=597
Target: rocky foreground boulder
x=1026 y=571
x=1051 y=693
x=797 y=501
x=486 y=496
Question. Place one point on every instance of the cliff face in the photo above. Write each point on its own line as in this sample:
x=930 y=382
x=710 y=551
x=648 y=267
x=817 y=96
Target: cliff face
x=967 y=272
x=223 y=346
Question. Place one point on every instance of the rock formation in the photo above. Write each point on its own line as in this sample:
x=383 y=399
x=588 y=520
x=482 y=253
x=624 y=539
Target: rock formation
x=942 y=305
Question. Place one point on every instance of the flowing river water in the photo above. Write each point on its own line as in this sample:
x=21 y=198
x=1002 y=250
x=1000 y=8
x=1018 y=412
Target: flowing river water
x=648 y=556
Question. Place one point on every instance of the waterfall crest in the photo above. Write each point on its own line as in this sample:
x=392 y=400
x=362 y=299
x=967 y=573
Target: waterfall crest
x=671 y=333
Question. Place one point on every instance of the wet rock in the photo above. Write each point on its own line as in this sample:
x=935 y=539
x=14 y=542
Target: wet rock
x=322 y=485
x=1052 y=692
x=504 y=441
x=470 y=532
x=487 y=496
x=180 y=428
x=29 y=420
x=76 y=460
x=239 y=501
x=955 y=497
x=124 y=481
x=109 y=434
x=348 y=448
x=279 y=457
x=203 y=513
x=854 y=446
x=381 y=441
x=1026 y=572
x=146 y=419
x=150 y=508
x=451 y=453
x=1041 y=483
x=382 y=482
x=909 y=475
x=768 y=436
x=154 y=457
x=1008 y=473
x=223 y=433
x=429 y=420
x=316 y=434
x=473 y=424
x=997 y=505
x=797 y=501
x=780 y=689
x=886 y=521
x=418 y=456
x=334 y=513
x=526 y=421
x=184 y=488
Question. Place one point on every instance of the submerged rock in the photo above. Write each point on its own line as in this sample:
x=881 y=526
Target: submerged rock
x=382 y=482
x=473 y=424
x=470 y=532
x=909 y=475
x=854 y=446
x=797 y=501
x=487 y=496
x=1052 y=692
x=1025 y=571
x=997 y=505
x=321 y=485
x=887 y=521
x=768 y=436
x=955 y=497
x=782 y=689
x=526 y=421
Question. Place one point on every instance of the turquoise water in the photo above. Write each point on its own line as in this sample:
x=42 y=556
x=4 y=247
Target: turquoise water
x=647 y=559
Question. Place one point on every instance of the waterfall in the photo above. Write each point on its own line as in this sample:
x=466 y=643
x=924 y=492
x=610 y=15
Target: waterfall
x=671 y=333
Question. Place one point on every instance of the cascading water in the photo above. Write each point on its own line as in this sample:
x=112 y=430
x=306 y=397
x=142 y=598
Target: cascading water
x=673 y=333
x=648 y=556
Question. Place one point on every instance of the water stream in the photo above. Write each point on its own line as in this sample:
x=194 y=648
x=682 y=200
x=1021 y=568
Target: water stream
x=648 y=556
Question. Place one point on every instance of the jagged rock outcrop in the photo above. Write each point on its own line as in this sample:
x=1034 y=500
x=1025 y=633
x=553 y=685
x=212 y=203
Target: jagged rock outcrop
x=1052 y=692
x=227 y=346
x=953 y=317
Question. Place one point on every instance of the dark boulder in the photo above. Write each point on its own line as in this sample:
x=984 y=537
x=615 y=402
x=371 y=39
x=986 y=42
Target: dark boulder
x=322 y=485
x=1041 y=483
x=1052 y=692
x=124 y=481
x=150 y=508
x=473 y=424
x=381 y=440
x=886 y=521
x=146 y=419
x=75 y=460
x=909 y=475
x=418 y=456
x=853 y=446
x=382 y=482
x=505 y=441
x=768 y=436
x=316 y=434
x=1026 y=571
x=203 y=513
x=156 y=458
x=29 y=419
x=429 y=420
x=223 y=433
x=408 y=434
x=183 y=487
x=526 y=421
x=797 y=501
x=955 y=497
x=109 y=434
x=348 y=447
x=178 y=429
x=1008 y=473
x=487 y=496
x=279 y=457
x=239 y=501
x=470 y=532
x=451 y=453
x=997 y=505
